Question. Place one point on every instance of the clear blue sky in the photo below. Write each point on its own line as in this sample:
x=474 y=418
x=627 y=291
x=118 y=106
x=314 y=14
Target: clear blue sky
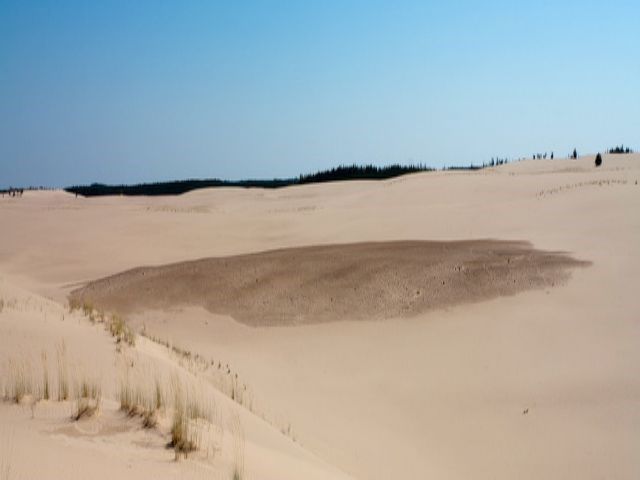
x=151 y=90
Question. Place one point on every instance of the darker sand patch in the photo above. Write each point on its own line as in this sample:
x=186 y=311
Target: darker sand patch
x=327 y=283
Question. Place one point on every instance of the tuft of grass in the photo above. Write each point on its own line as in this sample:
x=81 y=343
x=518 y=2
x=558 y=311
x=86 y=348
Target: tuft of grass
x=183 y=439
x=87 y=309
x=159 y=396
x=63 y=378
x=89 y=396
x=121 y=331
x=1 y=304
x=74 y=304
x=150 y=419
x=46 y=391
x=19 y=383
x=189 y=408
x=131 y=398
x=139 y=398
x=238 y=443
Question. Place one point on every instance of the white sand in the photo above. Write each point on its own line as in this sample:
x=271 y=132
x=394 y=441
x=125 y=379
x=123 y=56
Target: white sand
x=440 y=395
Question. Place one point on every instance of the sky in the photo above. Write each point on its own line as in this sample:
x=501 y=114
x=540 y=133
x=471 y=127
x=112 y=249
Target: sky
x=133 y=91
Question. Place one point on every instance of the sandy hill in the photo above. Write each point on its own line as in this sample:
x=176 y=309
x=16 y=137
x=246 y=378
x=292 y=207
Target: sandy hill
x=499 y=382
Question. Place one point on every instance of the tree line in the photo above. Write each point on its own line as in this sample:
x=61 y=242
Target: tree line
x=344 y=172
x=340 y=173
x=620 y=149
x=13 y=192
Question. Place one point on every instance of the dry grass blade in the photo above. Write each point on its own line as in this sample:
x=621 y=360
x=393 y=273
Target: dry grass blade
x=88 y=399
x=238 y=448
x=63 y=378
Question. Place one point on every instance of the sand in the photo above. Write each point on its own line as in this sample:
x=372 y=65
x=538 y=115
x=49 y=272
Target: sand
x=540 y=383
x=361 y=281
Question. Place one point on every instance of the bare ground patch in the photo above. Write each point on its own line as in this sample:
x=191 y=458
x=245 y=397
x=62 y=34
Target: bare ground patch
x=332 y=282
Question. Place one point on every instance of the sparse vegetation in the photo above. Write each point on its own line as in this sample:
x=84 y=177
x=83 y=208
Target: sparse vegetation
x=138 y=399
x=19 y=383
x=63 y=379
x=88 y=397
x=238 y=448
x=74 y=304
x=121 y=331
x=183 y=410
x=221 y=375
x=183 y=440
x=192 y=410
x=87 y=309
x=25 y=385
x=45 y=377
x=115 y=324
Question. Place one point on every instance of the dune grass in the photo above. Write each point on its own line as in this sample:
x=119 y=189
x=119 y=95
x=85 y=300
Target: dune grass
x=63 y=377
x=24 y=384
x=183 y=440
x=238 y=448
x=46 y=389
x=182 y=407
x=121 y=331
x=191 y=407
x=137 y=398
x=88 y=398
x=115 y=324
x=19 y=383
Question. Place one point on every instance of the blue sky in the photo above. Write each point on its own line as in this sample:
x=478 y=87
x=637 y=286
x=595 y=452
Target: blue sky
x=149 y=90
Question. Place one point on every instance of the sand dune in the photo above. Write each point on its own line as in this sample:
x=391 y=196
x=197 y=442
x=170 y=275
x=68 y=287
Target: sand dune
x=114 y=443
x=335 y=282
x=469 y=382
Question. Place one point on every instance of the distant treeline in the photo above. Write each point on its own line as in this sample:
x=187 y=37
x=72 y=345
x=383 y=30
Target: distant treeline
x=620 y=149
x=171 y=188
x=495 y=162
x=13 y=192
x=18 y=192
x=353 y=172
x=357 y=172
x=574 y=155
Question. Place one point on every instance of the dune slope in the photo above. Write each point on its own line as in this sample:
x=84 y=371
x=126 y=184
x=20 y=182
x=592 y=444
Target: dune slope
x=542 y=384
